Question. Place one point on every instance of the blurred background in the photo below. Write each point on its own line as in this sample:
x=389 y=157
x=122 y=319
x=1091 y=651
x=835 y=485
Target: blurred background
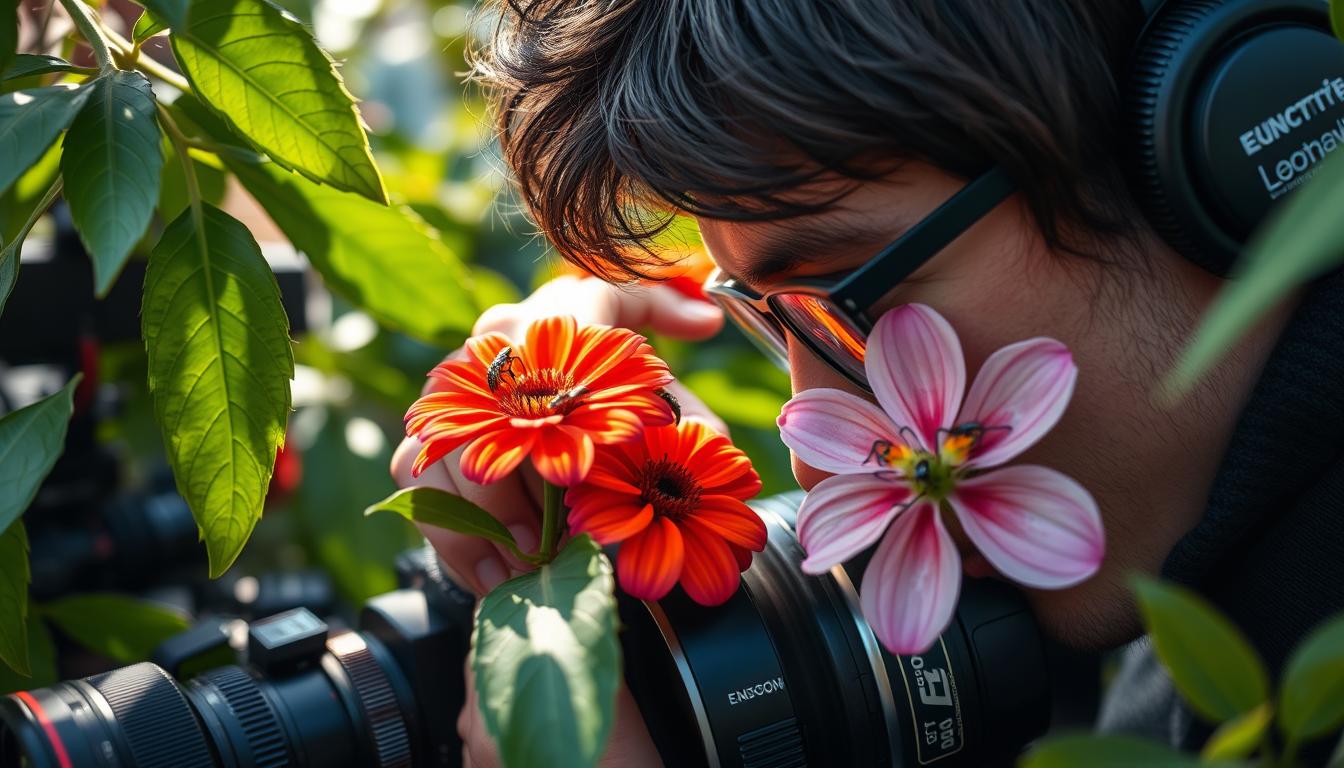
x=115 y=558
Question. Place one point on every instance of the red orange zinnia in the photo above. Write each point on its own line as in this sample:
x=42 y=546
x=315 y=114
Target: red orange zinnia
x=674 y=500
x=553 y=397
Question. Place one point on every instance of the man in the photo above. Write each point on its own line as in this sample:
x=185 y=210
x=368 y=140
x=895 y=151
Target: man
x=806 y=136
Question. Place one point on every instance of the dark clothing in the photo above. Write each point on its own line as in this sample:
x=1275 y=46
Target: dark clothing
x=1269 y=551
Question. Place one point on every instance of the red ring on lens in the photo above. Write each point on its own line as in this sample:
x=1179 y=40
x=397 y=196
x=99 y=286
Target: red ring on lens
x=62 y=756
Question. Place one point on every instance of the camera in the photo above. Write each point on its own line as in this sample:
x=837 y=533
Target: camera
x=786 y=673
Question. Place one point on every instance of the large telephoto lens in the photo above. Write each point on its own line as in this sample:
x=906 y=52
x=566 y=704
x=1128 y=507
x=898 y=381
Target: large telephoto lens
x=787 y=673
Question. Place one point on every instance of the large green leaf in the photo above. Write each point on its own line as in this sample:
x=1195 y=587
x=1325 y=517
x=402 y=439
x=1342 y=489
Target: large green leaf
x=41 y=662
x=384 y=260
x=211 y=181
x=441 y=509
x=14 y=598
x=147 y=26
x=1209 y=660
x=1337 y=17
x=1311 y=700
x=546 y=661
x=111 y=163
x=121 y=628
x=30 y=64
x=219 y=368
x=172 y=12
x=1105 y=752
x=1239 y=738
x=30 y=121
x=31 y=439
x=1302 y=240
x=264 y=74
x=350 y=456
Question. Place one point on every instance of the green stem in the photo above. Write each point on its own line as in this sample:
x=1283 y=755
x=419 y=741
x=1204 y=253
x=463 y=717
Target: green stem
x=148 y=65
x=181 y=145
x=553 y=507
x=92 y=32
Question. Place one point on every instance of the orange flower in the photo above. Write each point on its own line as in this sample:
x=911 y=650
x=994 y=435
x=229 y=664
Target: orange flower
x=675 y=500
x=553 y=397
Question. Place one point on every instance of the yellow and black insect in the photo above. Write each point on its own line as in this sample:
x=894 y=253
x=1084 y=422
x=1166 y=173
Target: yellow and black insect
x=883 y=451
x=502 y=364
x=672 y=403
x=973 y=430
x=567 y=398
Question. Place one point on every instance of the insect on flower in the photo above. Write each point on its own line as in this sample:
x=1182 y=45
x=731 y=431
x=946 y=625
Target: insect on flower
x=554 y=396
x=924 y=451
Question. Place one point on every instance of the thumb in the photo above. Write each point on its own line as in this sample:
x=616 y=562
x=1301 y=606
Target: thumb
x=666 y=311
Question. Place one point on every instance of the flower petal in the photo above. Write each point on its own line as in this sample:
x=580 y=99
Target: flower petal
x=605 y=424
x=709 y=574
x=549 y=343
x=598 y=349
x=732 y=520
x=609 y=519
x=843 y=515
x=563 y=455
x=910 y=587
x=834 y=431
x=1036 y=526
x=916 y=369
x=649 y=562
x=486 y=347
x=1025 y=386
x=492 y=456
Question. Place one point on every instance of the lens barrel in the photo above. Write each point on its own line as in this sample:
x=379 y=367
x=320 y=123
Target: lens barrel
x=786 y=673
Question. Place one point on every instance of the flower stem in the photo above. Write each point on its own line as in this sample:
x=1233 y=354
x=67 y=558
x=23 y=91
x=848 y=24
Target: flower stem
x=553 y=507
x=91 y=31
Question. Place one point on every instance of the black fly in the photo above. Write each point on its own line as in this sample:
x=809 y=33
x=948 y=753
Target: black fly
x=502 y=364
x=566 y=398
x=672 y=403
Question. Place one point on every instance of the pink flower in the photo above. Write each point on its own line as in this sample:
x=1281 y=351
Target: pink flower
x=901 y=466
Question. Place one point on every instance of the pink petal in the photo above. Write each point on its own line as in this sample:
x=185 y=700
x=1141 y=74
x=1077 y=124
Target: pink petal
x=843 y=515
x=916 y=369
x=834 y=431
x=1036 y=526
x=910 y=587
x=1025 y=386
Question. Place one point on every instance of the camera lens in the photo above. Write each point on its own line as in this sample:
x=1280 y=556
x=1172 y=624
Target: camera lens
x=786 y=673
x=318 y=701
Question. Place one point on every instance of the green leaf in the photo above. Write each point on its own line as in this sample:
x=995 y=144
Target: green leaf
x=263 y=73
x=173 y=12
x=111 y=165
x=353 y=455
x=1238 y=739
x=1103 y=752
x=546 y=661
x=1311 y=699
x=14 y=598
x=147 y=26
x=444 y=510
x=30 y=120
x=1209 y=660
x=1337 y=18
x=9 y=32
x=121 y=628
x=382 y=259
x=30 y=64
x=220 y=362
x=41 y=662
x=31 y=439
x=1303 y=239
x=211 y=181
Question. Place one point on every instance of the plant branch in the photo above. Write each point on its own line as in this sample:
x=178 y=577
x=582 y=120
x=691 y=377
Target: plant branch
x=92 y=32
x=553 y=506
x=180 y=145
x=148 y=65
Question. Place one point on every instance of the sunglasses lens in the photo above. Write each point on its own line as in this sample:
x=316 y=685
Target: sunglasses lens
x=825 y=328
x=763 y=330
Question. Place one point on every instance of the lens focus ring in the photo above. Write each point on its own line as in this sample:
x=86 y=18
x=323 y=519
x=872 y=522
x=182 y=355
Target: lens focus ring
x=386 y=722
x=258 y=721
x=160 y=729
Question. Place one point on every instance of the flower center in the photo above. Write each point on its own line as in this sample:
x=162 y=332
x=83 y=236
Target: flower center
x=669 y=487
x=538 y=394
x=930 y=475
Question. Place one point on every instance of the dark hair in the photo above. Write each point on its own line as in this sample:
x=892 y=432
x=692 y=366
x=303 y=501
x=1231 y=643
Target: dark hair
x=613 y=112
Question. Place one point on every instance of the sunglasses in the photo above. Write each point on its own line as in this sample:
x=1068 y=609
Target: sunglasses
x=829 y=315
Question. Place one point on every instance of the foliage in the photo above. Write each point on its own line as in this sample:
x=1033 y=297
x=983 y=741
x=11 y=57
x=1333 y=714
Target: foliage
x=1223 y=680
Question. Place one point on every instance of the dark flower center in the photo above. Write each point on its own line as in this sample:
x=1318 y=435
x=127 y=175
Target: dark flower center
x=669 y=487
x=538 y=394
